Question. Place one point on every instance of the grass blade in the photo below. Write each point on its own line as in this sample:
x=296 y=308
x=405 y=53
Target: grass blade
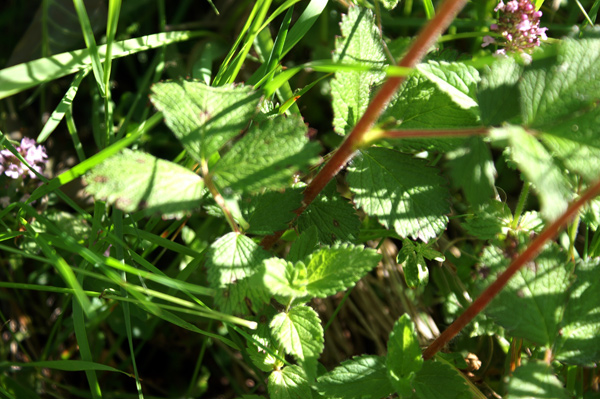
x=90 y=42
x=429 y=9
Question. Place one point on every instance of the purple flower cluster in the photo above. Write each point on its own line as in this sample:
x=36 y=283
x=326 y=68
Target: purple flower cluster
x=518 y=27
x=34 y=154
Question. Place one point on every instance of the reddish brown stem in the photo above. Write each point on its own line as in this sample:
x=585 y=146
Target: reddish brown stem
x=422 y=43
x=420 y=133
x=529 y=254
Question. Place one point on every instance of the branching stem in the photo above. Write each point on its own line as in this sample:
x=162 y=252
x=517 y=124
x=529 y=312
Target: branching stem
x=529 y=254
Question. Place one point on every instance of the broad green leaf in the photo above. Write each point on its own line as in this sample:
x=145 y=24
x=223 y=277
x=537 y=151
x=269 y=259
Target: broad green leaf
x=300 y=334
x=531 y=305
x=412 y=256
x=456 y=79
x=535 y=379
x=304 y=245
x=133 y=179
x=267 y=157
x=285 y=279
x=472 y=169
x=489 y=220
x=554 y=90
x=333 y=269
x=362 y=377
x=334 y=217
x=498 y=93
x=438 y=380
x=202 y=117
x=539 y=167
x=233 y=263
x=404 y=358
x=579 y=338
x=401 y=191
x=271 y=211
x=351 y=91
x=289 y=383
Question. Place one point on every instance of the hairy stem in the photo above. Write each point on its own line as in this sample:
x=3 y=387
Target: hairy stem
x=529 y=254
x=208 y=182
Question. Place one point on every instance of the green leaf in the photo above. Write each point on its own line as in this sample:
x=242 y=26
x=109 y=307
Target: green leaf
x=498 y=93
x=472 y=169
x=285 y=279
x=579 y=338
x=289 y=383
x=300 y=334
x=535 y=379
x=568 y=87
x=304 y=245
x=233 y=263
x=333 y=269
x=133 y=179
x=334 y=217
x=390 y=4
x=538 y=165
x=351 y=91
x=532 y=303
x=259 y=357
x=404 y=358
x=271 y=211
x=362 y=377
x=489 y=220
x=401 y=191
x=202 y=117
x=267 y=157
x=456 y=79
x=412 y=256
x=439 y=380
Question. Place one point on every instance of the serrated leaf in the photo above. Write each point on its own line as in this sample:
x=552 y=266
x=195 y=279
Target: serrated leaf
x=439 y=380
x=351 y=91
x=334 y=217
x=472 y=169
x=404 y=358
x=538 y=165
x=233 y=263
x=304 y=245
x=498 y=92
x=412 y=257
x=272 y=211
x=532 y=303
x=362 y=377
x=489 y=220
x=401 y=191
x=333 y=269
x=300 y=334
x=133 y=179
x=267 y=157
x=289 y=383
x=579 y=339
x=456 y=79
x=537 y=380
x=285 y=279
x=202 y=117
x=261 y=358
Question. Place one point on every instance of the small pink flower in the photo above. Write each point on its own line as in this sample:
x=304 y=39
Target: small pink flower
x=487 y=40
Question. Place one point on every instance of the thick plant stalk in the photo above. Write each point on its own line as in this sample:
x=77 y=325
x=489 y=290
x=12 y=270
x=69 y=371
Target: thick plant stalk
x=423 y=42
x=529 y=254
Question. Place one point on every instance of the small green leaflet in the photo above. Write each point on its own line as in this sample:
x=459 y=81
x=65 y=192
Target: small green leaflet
x=401 y=191
x=202 y=117
x=456 y=79
x=325 y=272
x=489 y=220
x=271 y=211
x=289 y=383
x=472 y=169
x=351 y=91
x=267 y=157
x=362 y=377
x=404 y=358
x=300 y=334
x=579 y=338
x=233 y=262
x=412 y=256
x=260 y=357
x=334 y=216
x=438 y=380
x=133 y=179
x=535 y=379
x=531 y=306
